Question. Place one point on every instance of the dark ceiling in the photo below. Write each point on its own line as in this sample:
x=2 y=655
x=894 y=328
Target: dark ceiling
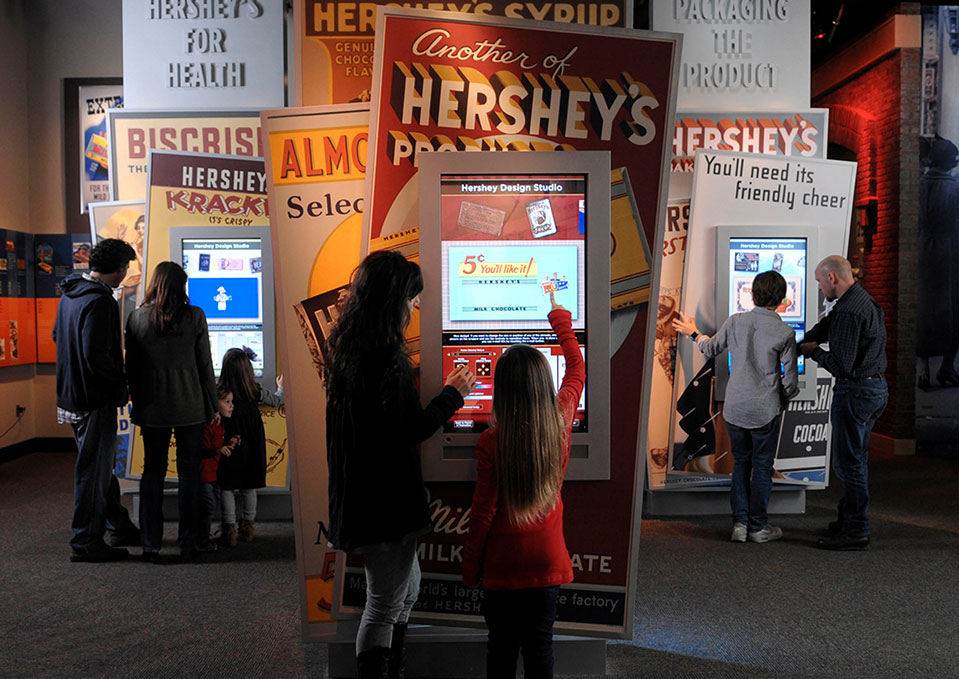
x=834 y=25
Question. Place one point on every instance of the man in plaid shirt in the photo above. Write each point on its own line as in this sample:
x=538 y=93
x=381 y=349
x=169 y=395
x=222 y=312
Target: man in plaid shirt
x=856 y=335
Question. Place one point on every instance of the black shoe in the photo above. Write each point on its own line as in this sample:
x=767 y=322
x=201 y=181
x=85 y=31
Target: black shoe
x=844 y=542
x=126 y=539
x=151 y=557
x=99 y=554
x=948 y=378
x=834 y=528
x=923 y=382
x=373 y=664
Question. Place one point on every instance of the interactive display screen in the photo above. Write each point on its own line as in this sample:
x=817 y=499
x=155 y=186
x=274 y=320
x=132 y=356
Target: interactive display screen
x=507 y=241
x=751 y=256
x=226 y=281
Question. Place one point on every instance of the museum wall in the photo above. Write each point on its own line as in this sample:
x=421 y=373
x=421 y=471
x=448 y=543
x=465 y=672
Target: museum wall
x=875 y=114
x=43 y=42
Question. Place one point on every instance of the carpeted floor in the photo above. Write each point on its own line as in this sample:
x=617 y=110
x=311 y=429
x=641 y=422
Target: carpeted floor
x=705 y=607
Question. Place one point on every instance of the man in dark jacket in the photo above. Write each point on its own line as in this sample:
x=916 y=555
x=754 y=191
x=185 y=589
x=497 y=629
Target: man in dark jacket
x=91 y=386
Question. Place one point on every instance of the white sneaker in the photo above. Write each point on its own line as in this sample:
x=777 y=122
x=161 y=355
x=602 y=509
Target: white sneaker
x=739 y=532
x=767 y=534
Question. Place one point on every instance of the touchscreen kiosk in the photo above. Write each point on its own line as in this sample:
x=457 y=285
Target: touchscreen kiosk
x=231 y=279
x=499 y=232
x=744 y=252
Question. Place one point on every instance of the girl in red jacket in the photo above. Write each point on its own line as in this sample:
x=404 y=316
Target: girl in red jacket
x=515 y=547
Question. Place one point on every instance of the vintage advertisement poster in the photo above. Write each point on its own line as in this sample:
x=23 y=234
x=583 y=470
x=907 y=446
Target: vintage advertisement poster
x=18 y=324
x=94 y=147
x=316 y=164
x=219 y=192
x=334 y=40
x=454 y=82
x=133 y=133
x=125 y=220
x=800 y=134
x=203 y=55
x=743 y=189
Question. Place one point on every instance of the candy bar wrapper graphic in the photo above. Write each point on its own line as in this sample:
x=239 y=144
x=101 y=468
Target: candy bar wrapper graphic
x=317 y=316
x=482 y=218
x=540 y=215
x=204 y=262
x=256 y=265
x=98 y=152
x=231 y=264
x=81 y=255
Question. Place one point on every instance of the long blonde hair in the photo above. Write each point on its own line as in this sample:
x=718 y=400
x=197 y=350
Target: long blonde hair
x=530 y=435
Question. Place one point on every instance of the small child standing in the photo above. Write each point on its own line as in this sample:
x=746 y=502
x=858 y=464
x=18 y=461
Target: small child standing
x=212 y=447
x=515 y=547
x=245 y=469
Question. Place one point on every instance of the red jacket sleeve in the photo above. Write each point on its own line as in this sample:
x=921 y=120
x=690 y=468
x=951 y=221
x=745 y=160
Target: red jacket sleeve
x=574 y=380
x=212 y=439
x=482 y=512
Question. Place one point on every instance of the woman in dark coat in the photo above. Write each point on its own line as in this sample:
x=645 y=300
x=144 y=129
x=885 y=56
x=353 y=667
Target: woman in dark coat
x=374 y=422
x=170 y=369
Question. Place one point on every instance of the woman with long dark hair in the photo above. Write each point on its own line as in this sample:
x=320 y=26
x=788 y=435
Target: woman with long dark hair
x=374 y=422
x=170 y=369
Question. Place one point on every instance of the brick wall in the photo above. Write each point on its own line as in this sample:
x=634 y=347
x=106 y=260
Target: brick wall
x=876 y=116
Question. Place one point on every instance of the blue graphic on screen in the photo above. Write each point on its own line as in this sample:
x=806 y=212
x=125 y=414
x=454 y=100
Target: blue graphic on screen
x=751 y=256
x=226 y=298
x=511 y=282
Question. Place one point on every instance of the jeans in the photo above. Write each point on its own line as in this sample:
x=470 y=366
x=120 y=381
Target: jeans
x=392 y=586
x=856 y=405
x=96 y=492
x=228 y=504
x=520 y=618
x=753 y=452
x=156 y=447
x=209 y=503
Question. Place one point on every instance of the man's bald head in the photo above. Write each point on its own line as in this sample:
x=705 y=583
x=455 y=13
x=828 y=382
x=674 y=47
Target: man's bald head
x=834 y=275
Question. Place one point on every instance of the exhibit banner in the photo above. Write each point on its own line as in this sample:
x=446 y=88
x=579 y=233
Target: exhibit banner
x=125 y=220
x=220 y=193
x=769 y=197
x=94 y=147
x=316 y=166
x=448 y=82
x=18 y=320
x=203 y=55
x=134 y=133
x=740 y=54
x=334 y=40
x=802 y=134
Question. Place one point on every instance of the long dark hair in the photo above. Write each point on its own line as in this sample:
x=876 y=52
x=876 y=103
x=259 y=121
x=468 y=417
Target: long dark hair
x=167 y=293
x=530 y=435
x=371 y=325
x=236 y=374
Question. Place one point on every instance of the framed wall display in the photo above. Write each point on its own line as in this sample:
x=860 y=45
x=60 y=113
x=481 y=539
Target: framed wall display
x=85 y=145
x=135 y=133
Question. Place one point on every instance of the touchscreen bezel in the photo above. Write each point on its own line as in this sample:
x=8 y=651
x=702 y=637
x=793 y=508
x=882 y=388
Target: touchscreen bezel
x=448 y=456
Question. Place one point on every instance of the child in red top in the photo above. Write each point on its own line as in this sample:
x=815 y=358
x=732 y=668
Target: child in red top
x=211 y=448
x=515 y=547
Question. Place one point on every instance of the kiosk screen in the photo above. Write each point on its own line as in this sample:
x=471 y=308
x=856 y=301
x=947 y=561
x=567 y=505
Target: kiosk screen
x=507 y=241
x=226 y=281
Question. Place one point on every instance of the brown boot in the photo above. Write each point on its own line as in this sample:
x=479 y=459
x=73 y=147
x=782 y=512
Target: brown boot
x=228 y=534
x=246 y=530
